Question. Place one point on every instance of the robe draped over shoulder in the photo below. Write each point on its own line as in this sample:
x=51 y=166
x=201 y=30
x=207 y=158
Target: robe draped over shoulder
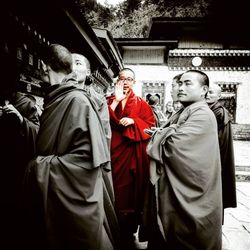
x=65 y=180
x=185 y=175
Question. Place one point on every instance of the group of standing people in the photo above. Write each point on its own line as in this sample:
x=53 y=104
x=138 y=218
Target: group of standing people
x=94 y=177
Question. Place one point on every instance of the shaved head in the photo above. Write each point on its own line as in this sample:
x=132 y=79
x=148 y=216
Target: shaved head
x=81 y=67
x=213 y=94
x=215 y=87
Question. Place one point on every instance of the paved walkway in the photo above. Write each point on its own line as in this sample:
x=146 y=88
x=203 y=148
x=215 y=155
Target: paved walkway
x=236 y=228
x=242 y=153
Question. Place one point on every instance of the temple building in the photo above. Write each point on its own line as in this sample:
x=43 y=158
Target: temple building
x=29 y=26
x=175 y=45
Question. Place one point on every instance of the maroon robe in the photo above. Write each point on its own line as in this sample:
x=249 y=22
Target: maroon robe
x=129 y=160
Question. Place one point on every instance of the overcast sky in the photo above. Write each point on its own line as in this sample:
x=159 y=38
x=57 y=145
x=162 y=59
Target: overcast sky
x=113 y=2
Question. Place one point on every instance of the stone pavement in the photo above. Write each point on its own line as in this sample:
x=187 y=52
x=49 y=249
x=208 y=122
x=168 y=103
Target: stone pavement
x=242 y=160
x=236 y=228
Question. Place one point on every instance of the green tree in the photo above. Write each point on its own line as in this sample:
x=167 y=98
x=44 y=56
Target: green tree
x=130 y=19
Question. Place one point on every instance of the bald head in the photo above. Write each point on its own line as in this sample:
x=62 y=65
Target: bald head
x=213 y=94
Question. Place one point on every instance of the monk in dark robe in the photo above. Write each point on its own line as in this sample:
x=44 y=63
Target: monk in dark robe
x=225 y=136
x=64 y=182
x=129 y=116
x=185 y=191
x=82 y=72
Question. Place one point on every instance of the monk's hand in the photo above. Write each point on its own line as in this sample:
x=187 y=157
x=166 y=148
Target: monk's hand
x=125 y=121
x=9 y=109
x=119 y=95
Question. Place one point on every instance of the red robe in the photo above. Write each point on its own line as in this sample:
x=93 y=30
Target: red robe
x=129 y=160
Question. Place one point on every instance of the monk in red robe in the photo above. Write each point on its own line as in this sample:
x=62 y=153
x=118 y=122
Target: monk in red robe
x=129 y=116
x=185 y=175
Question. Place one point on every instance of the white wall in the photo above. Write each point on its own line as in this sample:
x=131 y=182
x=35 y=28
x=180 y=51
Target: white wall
x=161 y=73
x=243 y=92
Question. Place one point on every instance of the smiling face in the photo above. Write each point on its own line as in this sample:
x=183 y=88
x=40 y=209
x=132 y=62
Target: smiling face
x=127 y=77
x=191 y=89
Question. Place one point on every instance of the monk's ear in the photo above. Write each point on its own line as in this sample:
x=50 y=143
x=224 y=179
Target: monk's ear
x=88 y=72
x=205 y=90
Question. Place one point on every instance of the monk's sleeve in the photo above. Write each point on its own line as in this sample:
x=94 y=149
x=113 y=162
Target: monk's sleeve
x=195 y=137
x=183 y=146
x=70 y=181
x=29 y=127
x=144 y=119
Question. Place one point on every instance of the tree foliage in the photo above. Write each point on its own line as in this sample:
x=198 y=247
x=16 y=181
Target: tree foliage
x=131 y=18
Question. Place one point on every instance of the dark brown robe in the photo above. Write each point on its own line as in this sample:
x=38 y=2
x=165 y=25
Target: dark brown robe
x=225 y=135
x=64 y=183
x=186 y=183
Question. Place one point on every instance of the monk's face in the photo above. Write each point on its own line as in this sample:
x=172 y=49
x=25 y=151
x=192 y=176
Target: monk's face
x=213 y=94
x=169 y=106
x=80 y=67
x=127 y=77
x=177 y=106
x=191 y=89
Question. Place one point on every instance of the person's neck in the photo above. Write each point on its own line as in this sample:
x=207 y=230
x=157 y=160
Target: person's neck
x=211 y=104
x=185 y=104
x=81 y=85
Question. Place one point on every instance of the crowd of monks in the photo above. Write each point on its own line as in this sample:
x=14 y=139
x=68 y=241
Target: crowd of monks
x=93 y=171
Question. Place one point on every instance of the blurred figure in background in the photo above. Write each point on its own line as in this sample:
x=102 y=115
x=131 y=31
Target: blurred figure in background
x=174 y=91
x=169 y=109
x=225 y=135
x=160 y=118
